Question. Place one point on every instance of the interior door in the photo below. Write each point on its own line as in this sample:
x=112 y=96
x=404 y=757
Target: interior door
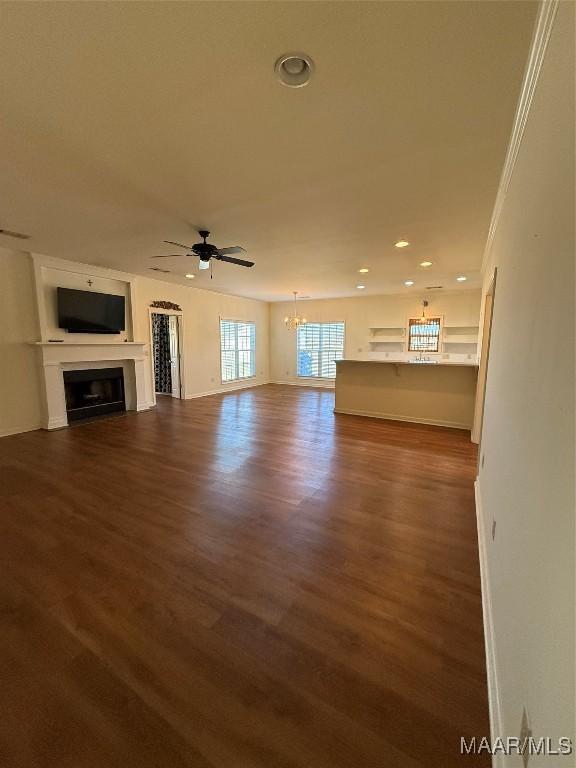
x=175 y=355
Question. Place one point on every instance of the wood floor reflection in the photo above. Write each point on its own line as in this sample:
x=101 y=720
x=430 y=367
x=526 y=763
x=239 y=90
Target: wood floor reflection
x=240 y=581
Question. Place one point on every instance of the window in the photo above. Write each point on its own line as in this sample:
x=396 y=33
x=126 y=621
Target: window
x=237 y=350
x=423 y=334
x=319 y=345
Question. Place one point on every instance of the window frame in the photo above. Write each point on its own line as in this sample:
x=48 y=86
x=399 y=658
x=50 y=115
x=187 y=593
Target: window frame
x=236 y=350
x=320 y=322
x=414 y=320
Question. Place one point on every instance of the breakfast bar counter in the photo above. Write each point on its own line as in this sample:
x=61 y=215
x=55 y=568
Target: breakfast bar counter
x=438 y=392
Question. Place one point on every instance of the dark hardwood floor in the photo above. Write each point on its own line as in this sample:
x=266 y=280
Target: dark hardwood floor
x=240 y=581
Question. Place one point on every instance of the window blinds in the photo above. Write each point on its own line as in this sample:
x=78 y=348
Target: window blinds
x=318 y=346
x=237 y=349
x=424 y=334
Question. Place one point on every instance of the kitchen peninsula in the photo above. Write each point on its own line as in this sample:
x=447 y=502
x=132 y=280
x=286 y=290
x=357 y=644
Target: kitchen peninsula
x=427 y=392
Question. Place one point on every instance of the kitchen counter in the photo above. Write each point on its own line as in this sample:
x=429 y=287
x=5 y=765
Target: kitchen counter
x=470 y=364
x=439 y=392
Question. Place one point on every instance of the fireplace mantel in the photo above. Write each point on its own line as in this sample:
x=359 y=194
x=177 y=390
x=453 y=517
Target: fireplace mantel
x=57 y=357
x=89 y=343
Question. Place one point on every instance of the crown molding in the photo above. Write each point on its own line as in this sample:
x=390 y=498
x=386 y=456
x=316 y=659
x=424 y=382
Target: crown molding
x=542 y=31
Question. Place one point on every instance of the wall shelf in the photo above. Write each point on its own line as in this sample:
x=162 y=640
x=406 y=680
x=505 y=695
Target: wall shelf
x=453 y=328
x=456 y=341
x=460 y=339
x=383 y=334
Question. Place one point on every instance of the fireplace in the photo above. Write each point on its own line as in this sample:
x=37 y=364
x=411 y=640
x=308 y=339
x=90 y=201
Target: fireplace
x=94 y=392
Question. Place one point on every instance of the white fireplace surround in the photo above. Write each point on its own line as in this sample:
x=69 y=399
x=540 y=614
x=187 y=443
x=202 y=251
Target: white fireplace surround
x=57 y=357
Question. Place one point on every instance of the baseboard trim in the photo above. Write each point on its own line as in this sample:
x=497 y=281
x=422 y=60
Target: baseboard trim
x=223 y=390
x=313 y=383
x=396 y=417
x=58 y=423
x=491 y=666
x=19 y=430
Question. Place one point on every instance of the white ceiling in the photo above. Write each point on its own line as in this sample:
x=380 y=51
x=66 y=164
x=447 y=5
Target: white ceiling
x=124 y=124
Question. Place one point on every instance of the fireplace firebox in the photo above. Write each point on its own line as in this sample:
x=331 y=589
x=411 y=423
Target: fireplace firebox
x=94 y=392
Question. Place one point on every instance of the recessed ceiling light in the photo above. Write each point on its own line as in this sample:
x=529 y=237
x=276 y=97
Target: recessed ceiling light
x=425 y=263
x=360 y=287
x=190 y=277
x=402 y=244
x=294 y=69
x=408 y=282
x=461 y=279
x=363 y=270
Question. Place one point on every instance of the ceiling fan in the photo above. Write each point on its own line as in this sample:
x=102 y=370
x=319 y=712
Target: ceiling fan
x=206 y=251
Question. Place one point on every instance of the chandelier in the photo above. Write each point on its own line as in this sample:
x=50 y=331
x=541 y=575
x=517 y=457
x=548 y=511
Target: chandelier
x=293 y=321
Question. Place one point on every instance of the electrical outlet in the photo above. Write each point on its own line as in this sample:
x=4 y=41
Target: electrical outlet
x=493 y=529
x=525 y=734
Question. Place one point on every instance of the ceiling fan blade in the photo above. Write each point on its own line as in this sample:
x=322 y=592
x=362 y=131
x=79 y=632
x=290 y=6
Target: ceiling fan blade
x=171 y=256
x=17 y=235
x=171 y=242
x=230 y=260
x=232 y=249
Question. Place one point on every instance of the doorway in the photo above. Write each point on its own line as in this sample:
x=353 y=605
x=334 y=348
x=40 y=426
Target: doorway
x=483 y=365
x=166 y=353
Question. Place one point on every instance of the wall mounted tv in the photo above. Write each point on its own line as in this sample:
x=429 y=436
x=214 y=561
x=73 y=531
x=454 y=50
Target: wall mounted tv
x=90 y=312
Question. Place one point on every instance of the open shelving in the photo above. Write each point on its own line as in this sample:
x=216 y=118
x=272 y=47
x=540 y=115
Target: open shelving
x=387 y=338
x=460 y=338
x=454 y=340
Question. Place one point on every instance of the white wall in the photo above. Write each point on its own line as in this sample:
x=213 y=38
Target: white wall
x=202 y=313
x=527 y=482
x=359 y=314
x=51 y=277
x=19 y=382
x=25 y=320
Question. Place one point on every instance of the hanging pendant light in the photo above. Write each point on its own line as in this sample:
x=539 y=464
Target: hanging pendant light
x=424 y=319
x=294 y=320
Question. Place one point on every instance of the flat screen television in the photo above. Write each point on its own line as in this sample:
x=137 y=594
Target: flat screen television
x=90 y=312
